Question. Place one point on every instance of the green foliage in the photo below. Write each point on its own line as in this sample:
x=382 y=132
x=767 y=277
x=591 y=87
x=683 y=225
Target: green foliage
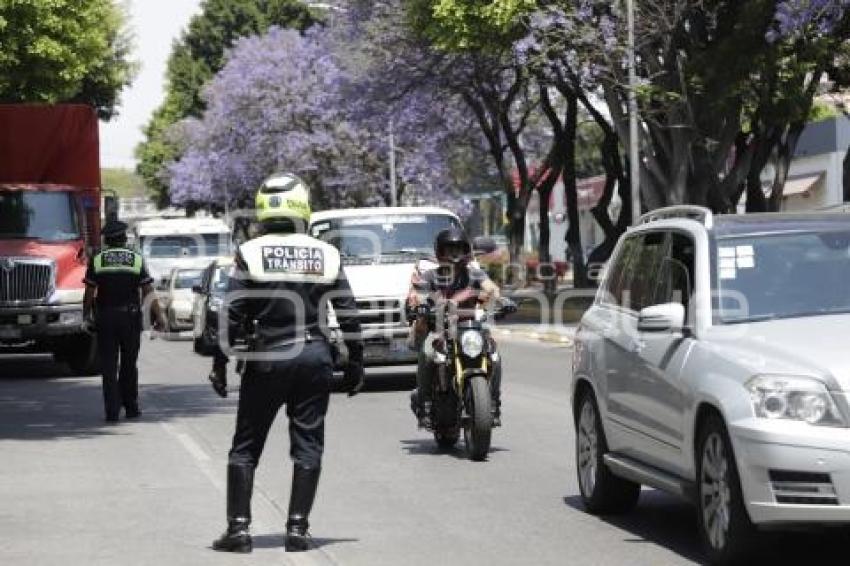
x=470 y=24
x=123 y=181
x=195 y=58
x=821 y=111
x=64 y=51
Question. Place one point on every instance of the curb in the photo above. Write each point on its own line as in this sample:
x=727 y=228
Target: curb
x=549 y=337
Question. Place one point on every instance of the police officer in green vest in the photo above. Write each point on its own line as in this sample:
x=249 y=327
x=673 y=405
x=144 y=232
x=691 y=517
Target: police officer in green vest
x=117 y=283
x=280 y=288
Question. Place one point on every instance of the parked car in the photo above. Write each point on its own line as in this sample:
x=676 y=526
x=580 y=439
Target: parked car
x=176 y=298
x=208 y=300
x=714 y=365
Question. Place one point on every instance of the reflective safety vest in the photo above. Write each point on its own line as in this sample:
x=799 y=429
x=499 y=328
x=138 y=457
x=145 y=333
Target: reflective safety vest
x=118 y=260
x=292 y=258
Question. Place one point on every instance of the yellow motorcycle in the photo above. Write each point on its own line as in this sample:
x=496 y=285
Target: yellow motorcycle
x=466 y=358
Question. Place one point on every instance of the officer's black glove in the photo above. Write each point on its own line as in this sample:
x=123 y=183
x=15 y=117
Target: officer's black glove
x=218 y=378
x=353 y=378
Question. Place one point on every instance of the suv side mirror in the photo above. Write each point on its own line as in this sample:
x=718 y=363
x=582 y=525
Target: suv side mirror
x=483 y=245
x=197 y=289
x=669 y=317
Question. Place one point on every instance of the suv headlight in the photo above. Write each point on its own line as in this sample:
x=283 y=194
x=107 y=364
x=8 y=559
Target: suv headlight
x=215 y=303
x=794 y=398
x=472 y=343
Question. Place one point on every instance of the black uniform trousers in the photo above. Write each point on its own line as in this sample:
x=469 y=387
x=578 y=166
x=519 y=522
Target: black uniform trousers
x=119 y=332
x=303 y=385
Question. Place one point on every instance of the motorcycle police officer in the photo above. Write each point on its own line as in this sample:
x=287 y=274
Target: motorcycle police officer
x=117 y=283
x=281 y=286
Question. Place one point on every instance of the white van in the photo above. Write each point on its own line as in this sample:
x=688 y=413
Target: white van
x=184 y=243
x=380 y=247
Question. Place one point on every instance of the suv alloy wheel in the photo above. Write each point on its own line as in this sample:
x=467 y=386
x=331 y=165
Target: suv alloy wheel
x=602 y=492
x=725 y=527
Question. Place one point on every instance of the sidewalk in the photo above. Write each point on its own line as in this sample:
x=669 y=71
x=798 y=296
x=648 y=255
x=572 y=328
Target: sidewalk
x=554 y=333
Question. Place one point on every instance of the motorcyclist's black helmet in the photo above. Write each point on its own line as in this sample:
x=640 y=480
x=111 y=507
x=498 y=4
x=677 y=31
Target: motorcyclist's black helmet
x=452 y=246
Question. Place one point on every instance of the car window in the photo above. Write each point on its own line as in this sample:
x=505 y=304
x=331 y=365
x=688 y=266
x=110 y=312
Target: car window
x=640 y=292
x=676 y=272
x=620 y=271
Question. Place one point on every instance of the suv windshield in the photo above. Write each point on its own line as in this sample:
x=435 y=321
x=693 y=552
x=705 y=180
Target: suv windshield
x=38 y=216
x=769 y=276
x=388 y=234
x=187 y=245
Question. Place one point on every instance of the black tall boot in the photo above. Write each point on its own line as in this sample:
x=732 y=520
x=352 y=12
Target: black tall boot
x=304 y=484
x=237 y=537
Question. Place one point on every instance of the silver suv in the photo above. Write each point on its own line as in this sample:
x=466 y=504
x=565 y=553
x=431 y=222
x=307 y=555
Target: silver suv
x=714 y=364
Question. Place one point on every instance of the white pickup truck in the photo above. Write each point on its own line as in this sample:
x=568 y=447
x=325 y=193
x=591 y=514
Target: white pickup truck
x=380 y=248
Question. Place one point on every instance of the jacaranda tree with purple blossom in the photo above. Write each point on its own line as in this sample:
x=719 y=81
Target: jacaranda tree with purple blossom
x=284 y=102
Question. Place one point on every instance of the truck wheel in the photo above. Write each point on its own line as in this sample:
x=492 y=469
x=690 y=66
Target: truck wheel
x=83 y=358
x=725 y=528
x=602 y=492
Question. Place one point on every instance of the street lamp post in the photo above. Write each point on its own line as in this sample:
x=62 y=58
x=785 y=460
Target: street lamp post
x=393 y=191
x=634 y=154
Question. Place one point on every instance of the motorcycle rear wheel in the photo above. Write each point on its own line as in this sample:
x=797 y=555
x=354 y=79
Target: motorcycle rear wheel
x=478 y=427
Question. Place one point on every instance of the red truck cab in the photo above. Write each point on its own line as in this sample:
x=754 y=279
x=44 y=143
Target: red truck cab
x=49 y=227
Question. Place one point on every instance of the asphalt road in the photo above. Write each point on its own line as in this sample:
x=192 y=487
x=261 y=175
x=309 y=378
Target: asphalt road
x=76 y=491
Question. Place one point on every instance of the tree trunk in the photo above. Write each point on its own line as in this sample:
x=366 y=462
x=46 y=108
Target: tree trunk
x=573 y=237
x=785 y=153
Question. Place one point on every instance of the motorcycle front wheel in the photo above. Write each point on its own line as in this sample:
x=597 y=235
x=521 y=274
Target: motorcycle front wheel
x=479 y=422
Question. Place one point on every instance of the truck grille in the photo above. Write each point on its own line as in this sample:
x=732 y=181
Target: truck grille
x=803 y=488
x=379 y=312
x=25 y=280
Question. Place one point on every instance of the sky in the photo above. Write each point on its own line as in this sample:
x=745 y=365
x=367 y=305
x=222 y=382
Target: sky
x=155 y=24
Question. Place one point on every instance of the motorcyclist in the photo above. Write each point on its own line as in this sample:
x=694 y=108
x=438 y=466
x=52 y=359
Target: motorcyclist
x=280 y=289
x=454 y=279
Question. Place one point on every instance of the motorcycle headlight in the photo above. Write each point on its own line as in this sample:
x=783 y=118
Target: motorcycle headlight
x=472 y=343
x=794 y=398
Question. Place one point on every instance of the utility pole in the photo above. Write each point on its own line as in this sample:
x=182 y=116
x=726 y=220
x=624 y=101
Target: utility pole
x=393 y=191
x=634 y=151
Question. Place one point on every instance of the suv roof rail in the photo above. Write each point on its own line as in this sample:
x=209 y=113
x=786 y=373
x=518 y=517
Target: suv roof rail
x=699 y=213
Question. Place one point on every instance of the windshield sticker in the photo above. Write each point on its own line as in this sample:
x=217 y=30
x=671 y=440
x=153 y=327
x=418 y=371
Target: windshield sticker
x=727 y=252
x=401 y=219
x=744 y=251
x=300 y=260
x=746 y=262
x=727 y=263
x=728 y=273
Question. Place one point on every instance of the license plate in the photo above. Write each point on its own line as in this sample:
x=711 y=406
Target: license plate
x=24 y=319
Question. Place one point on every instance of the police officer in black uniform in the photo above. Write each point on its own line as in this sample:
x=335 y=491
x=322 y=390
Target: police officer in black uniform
x=117 y=283
x=280 y=288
